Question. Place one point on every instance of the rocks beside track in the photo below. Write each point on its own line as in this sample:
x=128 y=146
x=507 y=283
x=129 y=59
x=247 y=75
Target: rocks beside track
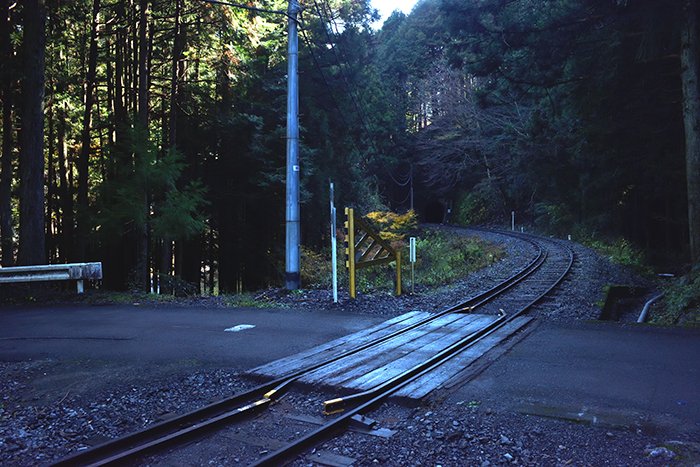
x=35 y=430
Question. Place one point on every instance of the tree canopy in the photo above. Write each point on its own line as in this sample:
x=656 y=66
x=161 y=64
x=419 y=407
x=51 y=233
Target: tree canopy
x=149 y=134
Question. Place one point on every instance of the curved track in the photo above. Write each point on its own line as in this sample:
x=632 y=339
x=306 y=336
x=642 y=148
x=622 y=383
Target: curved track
x=507 y=300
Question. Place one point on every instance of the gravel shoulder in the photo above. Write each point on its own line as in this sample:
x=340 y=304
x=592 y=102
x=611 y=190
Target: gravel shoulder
x=35 y=429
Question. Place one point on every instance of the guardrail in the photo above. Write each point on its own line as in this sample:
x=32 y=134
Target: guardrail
x=52 y=272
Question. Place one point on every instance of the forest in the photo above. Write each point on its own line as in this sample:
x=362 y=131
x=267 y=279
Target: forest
x=150 y=134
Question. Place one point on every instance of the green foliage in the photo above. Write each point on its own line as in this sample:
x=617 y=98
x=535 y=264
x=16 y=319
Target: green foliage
x=619 y=251
x=122 y=199
x=681 y=304
x=176 y=286
x=441 y=259
x=316 y=268
x=181 y=216
x=470 y=209
x=553 y=218
x=129 y=298
x=249 y=300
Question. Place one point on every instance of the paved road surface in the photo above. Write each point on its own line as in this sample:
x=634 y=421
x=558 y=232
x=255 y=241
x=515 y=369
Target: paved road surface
x=619 y=374
x=90 y=347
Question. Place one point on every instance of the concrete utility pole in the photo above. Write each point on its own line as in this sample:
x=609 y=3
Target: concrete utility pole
x=292 y=275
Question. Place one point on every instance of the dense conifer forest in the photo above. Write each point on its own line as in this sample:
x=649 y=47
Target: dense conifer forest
x=150 y=134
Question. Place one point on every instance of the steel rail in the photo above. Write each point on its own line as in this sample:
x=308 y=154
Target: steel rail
x=335 y=405
x=369 y=399
x=228 y=410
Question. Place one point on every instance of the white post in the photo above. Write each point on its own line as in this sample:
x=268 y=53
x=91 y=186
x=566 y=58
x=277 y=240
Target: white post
x=334 y=247
x=512 y=221
x=81 y=286
x=412 y=259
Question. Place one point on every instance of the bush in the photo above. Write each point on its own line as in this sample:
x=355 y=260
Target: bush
x=441 y=259
x=316 y=268
x=619 y=251
x=681 y=303
x=470 y=209
x=174 y=285
x=553 y=218
x=392 y=226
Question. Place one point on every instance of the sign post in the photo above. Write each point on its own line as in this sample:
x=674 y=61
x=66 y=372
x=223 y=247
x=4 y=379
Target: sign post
x=366 y=248
x=334 y=246
x=412 y=259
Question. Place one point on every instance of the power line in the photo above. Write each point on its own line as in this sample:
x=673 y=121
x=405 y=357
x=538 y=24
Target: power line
x=250 y=8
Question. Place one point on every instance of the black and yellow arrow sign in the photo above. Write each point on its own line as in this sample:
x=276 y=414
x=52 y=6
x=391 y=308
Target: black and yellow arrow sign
x=364 y=247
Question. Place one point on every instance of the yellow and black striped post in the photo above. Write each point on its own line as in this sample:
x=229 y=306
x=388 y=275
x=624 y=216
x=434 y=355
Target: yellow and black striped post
x=367 y=250
x=398 y=272
x=350 y=249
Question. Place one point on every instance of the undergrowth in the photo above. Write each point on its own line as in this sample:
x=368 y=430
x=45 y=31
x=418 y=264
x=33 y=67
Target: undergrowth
x=249 y=300
x=440 y=259
x=681 y=304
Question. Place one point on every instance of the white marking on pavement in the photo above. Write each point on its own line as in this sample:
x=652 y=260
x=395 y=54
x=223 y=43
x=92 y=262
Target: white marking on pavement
x=240 y=327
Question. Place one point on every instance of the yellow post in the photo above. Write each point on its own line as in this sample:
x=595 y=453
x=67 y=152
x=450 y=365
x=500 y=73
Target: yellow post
x=350 y=250
x=398 y=272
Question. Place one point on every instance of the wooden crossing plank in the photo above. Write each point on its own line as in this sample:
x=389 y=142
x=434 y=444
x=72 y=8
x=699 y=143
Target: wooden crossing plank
x=451 y=335
x=364 y=362
x=306 y=358
x=428 y=383
x=379 y=363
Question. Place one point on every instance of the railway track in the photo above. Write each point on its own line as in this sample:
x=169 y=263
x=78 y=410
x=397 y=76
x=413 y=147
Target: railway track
x=506 y=301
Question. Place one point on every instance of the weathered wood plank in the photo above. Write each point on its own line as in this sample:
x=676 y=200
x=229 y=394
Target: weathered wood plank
x=428 y=383
x=317 y=354
x=451 y=335
x=350 y=368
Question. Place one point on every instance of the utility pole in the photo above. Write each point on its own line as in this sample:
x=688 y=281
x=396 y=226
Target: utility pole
x=292 y=275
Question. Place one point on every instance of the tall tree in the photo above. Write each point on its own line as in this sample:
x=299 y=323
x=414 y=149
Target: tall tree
x=690 y=61
x=32 y=244
x=141 y=276
x=7 y=91
x=86 y=139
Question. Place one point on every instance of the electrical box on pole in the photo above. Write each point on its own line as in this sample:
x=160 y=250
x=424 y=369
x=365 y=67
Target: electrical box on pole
x=293 y=231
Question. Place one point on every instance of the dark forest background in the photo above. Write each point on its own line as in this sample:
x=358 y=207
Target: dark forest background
x=150 y=134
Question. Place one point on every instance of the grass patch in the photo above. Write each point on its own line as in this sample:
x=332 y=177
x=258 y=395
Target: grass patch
x=249 y=300
x=620 y=251
x=127 y=298
x=441 y=259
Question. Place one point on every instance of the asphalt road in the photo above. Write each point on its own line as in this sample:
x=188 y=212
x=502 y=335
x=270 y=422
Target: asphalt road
x=633 y=376
x=88 y=348
x=148 y=334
